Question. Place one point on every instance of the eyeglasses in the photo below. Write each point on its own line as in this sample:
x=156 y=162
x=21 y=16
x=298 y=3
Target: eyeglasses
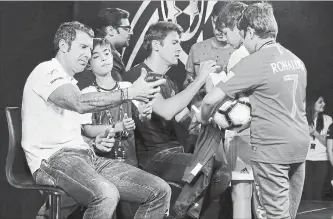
x=127 y=28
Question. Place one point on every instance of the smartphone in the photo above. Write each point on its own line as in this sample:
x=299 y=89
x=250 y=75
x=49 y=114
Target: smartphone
x=151 y=76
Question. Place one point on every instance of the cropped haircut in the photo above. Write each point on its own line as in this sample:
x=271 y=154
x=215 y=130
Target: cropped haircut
x=67 y=32
x=100 y=42
x=260 y=17
x=230 y=15
x=109 y=17
x=159 y=31
x=218 y=7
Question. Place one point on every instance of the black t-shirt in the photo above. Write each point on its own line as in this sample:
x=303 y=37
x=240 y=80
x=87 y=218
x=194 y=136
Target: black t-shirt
x=176 y=73
x=156 y=134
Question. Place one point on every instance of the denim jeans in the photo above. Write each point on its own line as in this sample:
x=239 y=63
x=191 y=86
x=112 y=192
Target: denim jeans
x=277 y=189
x=170 y=165
x=98 y=183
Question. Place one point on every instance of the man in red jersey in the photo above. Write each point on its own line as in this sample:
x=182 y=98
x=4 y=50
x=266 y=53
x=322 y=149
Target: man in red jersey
x=275 y=80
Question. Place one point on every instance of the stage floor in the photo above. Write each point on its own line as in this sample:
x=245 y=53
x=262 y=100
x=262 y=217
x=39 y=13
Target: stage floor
x=315 y=210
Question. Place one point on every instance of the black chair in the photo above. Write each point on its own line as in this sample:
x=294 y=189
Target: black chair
x=17 y=170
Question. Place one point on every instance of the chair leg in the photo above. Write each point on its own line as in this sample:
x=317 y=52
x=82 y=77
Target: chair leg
x=55 y=205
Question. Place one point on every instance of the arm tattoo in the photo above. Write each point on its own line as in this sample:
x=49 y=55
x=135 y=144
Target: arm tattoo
x=97 y=101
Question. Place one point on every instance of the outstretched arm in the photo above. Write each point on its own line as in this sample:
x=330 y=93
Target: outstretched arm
x=169 y=108
x=69 y=97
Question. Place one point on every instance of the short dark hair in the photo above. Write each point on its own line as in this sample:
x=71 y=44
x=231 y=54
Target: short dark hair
x=67 y=32
x=159 y=31
x=109 y=17
x=230 y=15
x=260 y=17
x=218 y=7
x=100 y=42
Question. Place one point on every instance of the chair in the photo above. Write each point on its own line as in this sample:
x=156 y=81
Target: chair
x=17 y=170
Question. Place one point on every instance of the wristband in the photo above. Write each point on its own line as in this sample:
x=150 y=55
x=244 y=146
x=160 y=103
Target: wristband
x=122 y=95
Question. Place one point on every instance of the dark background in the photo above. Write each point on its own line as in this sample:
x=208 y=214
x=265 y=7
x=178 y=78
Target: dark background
x=26 y=34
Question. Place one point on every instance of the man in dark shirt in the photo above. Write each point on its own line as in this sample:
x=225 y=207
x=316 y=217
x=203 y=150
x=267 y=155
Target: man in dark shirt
x=113 y=25
x=158 y=150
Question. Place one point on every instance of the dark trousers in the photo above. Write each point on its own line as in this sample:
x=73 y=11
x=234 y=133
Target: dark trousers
x=316 y=173
x=170 y=165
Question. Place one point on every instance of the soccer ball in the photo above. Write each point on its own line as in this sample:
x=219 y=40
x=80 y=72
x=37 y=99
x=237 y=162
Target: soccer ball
x=233 y=114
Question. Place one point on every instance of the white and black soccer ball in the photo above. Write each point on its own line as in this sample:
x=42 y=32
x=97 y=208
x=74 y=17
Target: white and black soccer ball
x=233 y=114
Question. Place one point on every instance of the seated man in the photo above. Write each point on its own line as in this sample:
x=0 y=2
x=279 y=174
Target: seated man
x=158 y=150
x=54 y=147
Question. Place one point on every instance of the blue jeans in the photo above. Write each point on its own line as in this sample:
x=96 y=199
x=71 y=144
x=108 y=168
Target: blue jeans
x=98 y=183
x=277 y=189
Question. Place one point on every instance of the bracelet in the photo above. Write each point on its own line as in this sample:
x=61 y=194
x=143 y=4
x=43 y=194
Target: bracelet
x=122 y=96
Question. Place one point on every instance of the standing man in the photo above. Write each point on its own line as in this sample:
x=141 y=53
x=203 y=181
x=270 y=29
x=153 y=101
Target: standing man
x=52 y=141
x=114 y=26
x=237 y=144
x=275 y=80
x=215 y=48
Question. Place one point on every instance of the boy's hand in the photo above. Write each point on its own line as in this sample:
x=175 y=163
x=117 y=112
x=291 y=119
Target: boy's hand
x=145 y=111
x=128 y=123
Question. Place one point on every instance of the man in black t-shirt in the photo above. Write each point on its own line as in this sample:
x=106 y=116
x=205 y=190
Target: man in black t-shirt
x=158 y=150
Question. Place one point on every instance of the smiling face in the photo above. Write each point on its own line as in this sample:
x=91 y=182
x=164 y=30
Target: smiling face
x=101 y=60
x=169 y=49
x=319 y=105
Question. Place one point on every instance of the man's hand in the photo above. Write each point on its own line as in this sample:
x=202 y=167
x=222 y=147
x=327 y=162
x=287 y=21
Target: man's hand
x=105 y=141
x=128 y=123
x=207 y=67
x=142 y=90
x=209 y=84
x=145 y=111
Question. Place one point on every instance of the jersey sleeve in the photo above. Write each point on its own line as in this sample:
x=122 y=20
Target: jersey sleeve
x=49 y=81
x=244 y=77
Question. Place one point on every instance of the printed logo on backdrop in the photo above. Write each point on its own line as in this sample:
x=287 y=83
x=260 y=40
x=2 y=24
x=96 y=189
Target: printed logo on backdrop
x=190 y=15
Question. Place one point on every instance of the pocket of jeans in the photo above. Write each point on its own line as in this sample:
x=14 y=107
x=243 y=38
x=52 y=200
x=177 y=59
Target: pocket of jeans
x=43 y=178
